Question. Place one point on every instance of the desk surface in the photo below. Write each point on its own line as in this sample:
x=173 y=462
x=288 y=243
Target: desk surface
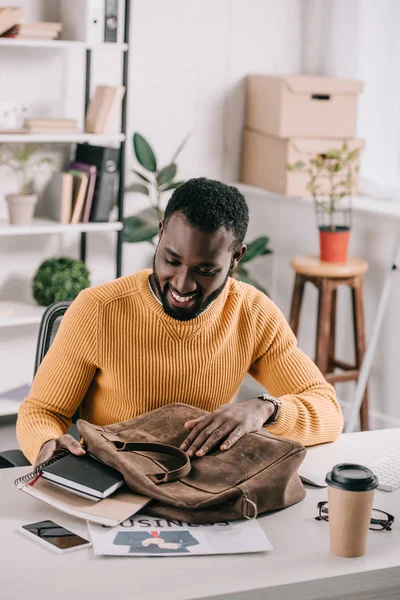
x=300 y=566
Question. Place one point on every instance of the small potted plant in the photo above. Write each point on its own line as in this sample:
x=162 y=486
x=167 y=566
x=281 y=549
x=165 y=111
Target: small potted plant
x=331 y=183
x=143 y=227
x=21 y=160
x=59 y=279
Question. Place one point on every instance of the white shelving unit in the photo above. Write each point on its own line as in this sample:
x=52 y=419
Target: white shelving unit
x=19 y=313
x=60 y=138
x=58 y=44
x=15 y=313
x=45 y=226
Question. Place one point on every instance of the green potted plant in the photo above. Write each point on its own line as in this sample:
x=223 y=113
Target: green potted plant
x=20 y=158
x=154 y=182
x=59 y=279
x=332 y=178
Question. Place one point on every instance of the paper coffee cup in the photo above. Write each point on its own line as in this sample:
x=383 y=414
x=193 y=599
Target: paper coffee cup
x=351 y=490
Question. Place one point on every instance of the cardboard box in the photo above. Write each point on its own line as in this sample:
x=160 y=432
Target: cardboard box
x=264 y=161
x=302 y=106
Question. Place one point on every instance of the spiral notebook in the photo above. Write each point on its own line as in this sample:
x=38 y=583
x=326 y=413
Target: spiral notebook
x=109 y=511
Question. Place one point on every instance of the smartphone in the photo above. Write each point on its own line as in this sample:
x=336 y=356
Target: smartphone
x=54 y=536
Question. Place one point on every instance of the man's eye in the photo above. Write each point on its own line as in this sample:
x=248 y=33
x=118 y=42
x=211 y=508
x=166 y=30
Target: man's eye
x=207 y=272
x=174 y=263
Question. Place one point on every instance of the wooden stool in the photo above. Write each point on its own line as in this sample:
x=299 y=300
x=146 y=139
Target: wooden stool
x=327 y=277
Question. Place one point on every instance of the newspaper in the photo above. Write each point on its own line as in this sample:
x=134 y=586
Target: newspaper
x=149 y=536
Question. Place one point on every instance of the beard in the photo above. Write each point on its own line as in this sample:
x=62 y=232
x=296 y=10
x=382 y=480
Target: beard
x=185 y=314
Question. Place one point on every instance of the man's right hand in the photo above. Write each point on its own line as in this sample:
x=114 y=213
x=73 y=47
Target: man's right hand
x=65 y=442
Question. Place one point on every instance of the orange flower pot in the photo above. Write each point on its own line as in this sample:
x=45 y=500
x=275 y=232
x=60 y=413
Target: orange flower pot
x=334 y=244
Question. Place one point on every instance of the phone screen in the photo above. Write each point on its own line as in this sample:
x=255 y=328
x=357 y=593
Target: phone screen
x=56 y=535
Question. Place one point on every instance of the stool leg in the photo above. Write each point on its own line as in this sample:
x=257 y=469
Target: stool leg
x=324 y=325
x=331 y=359
x=297 y=299
x=359 y=341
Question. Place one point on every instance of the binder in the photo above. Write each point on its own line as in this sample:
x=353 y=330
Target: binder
x=83 y=20
x=106 y=160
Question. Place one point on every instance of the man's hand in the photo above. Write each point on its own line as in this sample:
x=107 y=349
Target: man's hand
x=65 y=442
x=227 y=424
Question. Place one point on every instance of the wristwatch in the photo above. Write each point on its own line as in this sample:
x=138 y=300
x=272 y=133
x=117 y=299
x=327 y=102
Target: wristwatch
x=277 y=408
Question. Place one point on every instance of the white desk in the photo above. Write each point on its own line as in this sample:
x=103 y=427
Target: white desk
x=299 y=568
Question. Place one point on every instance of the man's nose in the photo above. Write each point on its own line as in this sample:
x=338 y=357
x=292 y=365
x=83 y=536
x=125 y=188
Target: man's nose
x=183 y=282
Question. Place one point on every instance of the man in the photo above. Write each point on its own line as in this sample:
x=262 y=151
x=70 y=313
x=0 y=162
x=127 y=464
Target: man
x=183 y=332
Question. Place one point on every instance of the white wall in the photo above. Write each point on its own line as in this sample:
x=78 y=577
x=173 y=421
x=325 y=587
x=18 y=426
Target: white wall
x=188 y=60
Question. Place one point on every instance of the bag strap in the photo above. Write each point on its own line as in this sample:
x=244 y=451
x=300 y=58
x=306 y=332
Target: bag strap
x=163 y=477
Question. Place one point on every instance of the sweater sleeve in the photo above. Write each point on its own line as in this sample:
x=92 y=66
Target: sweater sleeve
x=62 y=379
x=310 y=411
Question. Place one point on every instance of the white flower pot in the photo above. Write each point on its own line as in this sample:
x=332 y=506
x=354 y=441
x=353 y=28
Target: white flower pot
x=21 y=208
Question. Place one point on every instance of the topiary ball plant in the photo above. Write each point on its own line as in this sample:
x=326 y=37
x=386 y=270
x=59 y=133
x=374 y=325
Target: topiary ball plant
x=59 y=279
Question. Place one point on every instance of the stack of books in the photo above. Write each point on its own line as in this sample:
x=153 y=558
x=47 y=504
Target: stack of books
x=51 y=125
x=9 y=17
x=42 y=30
x=84 y=192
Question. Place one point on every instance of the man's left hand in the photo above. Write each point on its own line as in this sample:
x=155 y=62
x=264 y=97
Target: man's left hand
x=227 y=424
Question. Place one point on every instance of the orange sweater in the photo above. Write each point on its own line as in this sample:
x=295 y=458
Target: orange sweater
x=118 y=354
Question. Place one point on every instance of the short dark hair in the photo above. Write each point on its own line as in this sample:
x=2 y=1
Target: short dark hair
x=209 y=205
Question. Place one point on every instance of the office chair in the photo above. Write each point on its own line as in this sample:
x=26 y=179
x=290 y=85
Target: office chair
x=48 y=328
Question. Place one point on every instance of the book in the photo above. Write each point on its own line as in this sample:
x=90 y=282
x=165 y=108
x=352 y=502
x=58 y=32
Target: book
x=52 y=123
x=80 y=185
x=56 y=201
x=41 y=30
x=106 y=160
x=101 y=106
x=84 y=474
x=9 y=17
x=149 y=536
x=109 y=511
x=91 y=170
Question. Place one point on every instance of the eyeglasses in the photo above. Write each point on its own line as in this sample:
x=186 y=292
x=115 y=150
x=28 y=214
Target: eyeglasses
x=380 y=520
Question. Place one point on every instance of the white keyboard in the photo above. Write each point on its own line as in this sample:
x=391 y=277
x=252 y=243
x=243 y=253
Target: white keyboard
x=387 y=470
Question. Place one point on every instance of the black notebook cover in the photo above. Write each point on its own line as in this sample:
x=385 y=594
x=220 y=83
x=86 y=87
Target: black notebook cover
x=84 y=473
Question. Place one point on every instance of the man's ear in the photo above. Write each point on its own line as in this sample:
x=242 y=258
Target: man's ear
x=237 y=256
x=160 y=229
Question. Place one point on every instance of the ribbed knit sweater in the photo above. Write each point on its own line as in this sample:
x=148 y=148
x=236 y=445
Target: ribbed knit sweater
x=117 y=355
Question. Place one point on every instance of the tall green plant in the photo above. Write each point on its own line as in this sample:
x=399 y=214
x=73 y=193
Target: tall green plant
x=143 y=227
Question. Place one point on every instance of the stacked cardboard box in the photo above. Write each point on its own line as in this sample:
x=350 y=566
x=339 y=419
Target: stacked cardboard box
x=289 y=119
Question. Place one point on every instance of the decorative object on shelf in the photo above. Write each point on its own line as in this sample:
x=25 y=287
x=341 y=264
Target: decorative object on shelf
x=59 y=279
x=338 y=169
x=12 y=116
x=20 y=159
x=143 y=227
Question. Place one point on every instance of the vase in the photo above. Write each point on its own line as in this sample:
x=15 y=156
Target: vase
x=334 y=244
x=21 y=208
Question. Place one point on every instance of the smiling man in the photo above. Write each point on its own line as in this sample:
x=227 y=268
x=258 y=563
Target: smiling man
x=182 y=332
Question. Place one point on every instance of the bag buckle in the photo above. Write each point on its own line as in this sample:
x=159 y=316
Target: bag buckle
x=119 y=445
x=253 y=506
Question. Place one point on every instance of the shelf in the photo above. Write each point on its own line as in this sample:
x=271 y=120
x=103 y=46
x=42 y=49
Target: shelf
x=18 y=313
x=43 y=226
x=60 y=138
x=59 y=44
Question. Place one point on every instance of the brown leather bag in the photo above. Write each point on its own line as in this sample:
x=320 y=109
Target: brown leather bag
x=258 y=474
